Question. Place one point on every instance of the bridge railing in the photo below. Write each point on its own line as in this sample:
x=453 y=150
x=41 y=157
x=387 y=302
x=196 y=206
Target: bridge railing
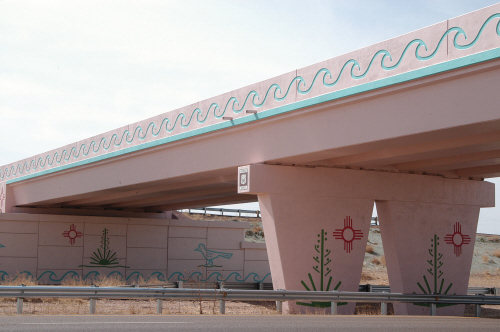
x=221 y=211
x=160 y=293
x=204 y=210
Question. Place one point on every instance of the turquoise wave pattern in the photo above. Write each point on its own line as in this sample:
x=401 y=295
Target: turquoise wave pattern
x=52 y=276
x=156 y=276
x=4 y=274
x=217 y=276
x=253 y=99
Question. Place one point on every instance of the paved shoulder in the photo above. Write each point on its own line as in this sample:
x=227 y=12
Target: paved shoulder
x=245 y=323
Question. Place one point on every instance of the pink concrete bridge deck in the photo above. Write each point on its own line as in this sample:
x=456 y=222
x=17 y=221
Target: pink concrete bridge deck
x=424 y=103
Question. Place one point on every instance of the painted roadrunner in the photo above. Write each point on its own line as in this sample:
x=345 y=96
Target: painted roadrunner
x=210 y=255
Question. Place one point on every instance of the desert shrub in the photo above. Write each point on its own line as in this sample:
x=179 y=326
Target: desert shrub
x=494 y=238
x=375 y=261
x=496 y=253
x=20 y=279
x=257 y=229
x=366 y=276
x=370 y=249
x=382 y=260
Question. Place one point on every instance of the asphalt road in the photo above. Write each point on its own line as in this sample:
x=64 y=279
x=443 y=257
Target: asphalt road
x=245 y=323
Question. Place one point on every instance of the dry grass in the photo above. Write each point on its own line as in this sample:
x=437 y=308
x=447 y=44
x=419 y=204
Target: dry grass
x=382 y=260
x=486 y=259
x=256 y=229
x=494 y=238
x=19 y=279
x=370 y=249
x=372 y=309
x=496 y=253
x=366 y=277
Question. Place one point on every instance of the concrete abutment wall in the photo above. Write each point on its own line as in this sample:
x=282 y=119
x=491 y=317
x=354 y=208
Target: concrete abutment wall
x=53 y=248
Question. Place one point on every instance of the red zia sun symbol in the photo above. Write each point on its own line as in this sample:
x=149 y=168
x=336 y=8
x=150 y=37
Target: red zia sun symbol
x=457 y=239
x=72 y=234
x=348 y=234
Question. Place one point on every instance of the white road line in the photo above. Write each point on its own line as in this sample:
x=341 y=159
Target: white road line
x=87 y=323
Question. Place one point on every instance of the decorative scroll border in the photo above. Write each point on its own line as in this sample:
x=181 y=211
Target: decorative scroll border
x=254 y=97
x=157 y=276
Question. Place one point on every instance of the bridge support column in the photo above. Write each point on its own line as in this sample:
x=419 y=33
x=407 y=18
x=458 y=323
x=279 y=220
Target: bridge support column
x=428 y=249
x=316 y=238
x=316 y=222
x=6 y=198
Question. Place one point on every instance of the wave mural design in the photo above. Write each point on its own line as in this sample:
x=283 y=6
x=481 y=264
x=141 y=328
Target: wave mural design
x=217 y=276
x=252 y=99
x=156 y=276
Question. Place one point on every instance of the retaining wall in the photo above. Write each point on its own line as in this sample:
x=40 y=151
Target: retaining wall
x=52 y=248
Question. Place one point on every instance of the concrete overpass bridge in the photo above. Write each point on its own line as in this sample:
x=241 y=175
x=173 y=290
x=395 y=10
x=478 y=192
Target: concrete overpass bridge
x=411 y=123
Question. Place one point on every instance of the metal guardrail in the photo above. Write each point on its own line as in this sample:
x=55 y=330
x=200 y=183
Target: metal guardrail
x=374 y=220
x=222 y=210
x=161 y=293
x=269 y=286
x=471 y=290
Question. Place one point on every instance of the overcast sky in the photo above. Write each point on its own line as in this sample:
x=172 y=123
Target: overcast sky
x=73 y=69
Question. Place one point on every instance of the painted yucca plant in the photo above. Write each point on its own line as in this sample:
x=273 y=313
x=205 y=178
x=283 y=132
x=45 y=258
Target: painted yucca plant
x=434 y=287
x=104 y=256
x=321 y=268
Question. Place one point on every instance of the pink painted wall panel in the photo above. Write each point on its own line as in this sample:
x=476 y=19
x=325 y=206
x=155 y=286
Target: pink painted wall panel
x=18 y=245
x=83 y=247
x=61 y=234
x=147 y=236
x=147 y=258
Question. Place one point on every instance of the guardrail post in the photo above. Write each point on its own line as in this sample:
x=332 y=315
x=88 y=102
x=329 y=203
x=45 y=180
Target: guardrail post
x=478 y=310
x=19 y=306
x=20 y=302
x=279 y=308
x=159 y=306
x=279 y=305
x=478 y=307
x=92 y=305
x=433 y=309
x=261 y=285
x=222 y=302
x=369 y=288
x=180 y=284
x=222 y=307
x=383 y=308
x=333 y=310
x=496 y=291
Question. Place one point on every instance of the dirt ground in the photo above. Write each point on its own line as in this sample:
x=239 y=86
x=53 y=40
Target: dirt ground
x=134 y=307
